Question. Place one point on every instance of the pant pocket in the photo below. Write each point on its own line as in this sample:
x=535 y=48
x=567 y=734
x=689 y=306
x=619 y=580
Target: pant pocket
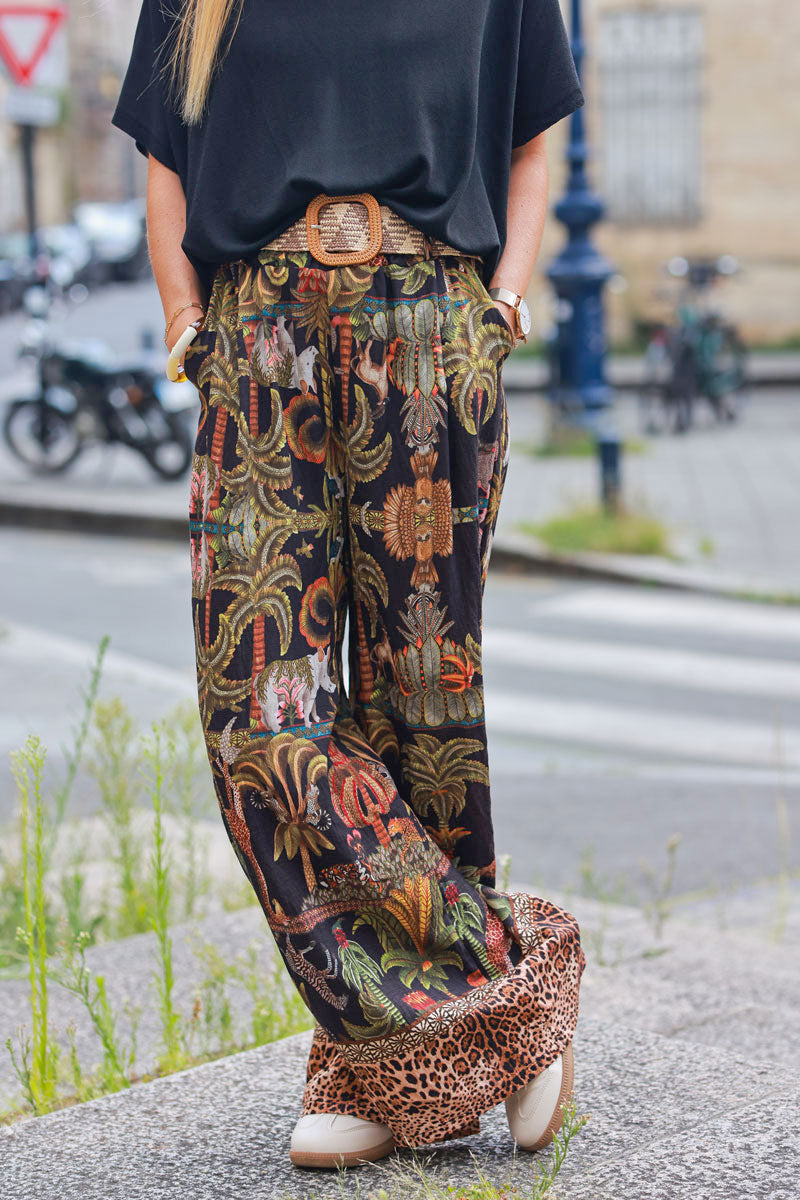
x=466 y=290
x=202 y=345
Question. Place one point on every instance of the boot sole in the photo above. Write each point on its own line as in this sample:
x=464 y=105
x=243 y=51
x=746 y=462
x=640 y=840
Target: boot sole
x=309 y=1158
x=564 y=1097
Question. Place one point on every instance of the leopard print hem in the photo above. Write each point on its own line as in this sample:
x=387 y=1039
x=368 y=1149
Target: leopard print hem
x=432 y=1081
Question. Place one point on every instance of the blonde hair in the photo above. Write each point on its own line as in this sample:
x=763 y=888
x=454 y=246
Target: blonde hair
x=195 y=52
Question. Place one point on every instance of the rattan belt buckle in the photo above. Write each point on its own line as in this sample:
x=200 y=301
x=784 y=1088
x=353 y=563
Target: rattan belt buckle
x=336 y=258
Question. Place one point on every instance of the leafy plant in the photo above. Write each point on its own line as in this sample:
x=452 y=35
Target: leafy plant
x=38 y=1057
x=113 y=763
x=155 y=769
x=118 y=1060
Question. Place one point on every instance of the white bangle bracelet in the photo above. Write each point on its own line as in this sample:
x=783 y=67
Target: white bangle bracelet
x=175 y=371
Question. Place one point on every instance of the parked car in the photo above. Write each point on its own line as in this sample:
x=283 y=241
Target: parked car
x=69 y=244
x=117 y=235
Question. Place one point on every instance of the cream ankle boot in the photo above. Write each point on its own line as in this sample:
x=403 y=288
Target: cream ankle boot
x=534 y=1113
x=334 y=1140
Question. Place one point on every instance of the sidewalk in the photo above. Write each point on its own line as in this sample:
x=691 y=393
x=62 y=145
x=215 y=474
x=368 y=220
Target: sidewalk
x=769 y=368
x=730 y=496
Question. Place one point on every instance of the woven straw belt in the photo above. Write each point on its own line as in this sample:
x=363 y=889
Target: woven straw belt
x=353 y=229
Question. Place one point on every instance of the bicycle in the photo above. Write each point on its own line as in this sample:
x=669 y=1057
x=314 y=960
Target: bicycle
x=699 y=357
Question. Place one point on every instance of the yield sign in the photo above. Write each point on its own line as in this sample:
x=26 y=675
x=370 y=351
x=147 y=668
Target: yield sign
x=26 y=31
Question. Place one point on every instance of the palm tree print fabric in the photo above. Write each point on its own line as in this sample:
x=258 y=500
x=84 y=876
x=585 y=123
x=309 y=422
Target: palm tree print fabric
x=350 y=457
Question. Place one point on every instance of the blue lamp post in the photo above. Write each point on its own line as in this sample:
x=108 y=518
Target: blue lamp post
x=579 y=275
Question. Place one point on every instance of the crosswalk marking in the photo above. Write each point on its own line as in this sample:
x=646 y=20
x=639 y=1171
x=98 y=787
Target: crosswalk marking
x=541 y=762
x=706 y=739
x=725 y=618
x=622 y=726
x=533 y=715
x=24 y=647
x=648 y=664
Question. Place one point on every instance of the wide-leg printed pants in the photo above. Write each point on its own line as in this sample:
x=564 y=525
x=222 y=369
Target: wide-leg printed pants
x=350 y=457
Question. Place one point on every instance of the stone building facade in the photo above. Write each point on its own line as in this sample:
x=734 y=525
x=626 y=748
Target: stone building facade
x=693 y=117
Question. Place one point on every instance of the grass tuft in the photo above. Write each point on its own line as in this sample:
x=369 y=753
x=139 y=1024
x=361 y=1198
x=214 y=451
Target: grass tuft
x=573 y=443
x=414 y=1180
x=595 y=530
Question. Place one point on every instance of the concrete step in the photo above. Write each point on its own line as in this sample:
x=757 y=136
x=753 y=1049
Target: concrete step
x=719 y=995
x=669 y=1118
x=727 y=988
x=128 y=967
x=731 y=989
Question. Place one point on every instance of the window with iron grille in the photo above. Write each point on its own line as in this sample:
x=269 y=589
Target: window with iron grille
x=650 y=63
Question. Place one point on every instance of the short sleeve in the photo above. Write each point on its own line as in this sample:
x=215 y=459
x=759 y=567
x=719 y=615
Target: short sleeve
x=548 y=87
x=143 y=110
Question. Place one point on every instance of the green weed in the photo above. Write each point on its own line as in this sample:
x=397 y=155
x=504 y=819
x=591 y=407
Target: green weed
x=415 y=1181
x=74 y=901
x=660 y=906
x=113 y=767
x=275 y=1006
x=190 y=757
x=118 y=1060
x=36 y=1066
x=12 y=897
x=156 y=769
x=47 y=924
x=75 y=754
x=596 y=530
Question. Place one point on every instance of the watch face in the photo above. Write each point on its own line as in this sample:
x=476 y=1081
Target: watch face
x=524 y=317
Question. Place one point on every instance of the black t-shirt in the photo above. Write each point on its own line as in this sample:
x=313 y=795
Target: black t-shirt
x=418 y=102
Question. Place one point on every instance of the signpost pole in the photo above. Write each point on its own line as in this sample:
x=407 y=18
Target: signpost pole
x=27 y=137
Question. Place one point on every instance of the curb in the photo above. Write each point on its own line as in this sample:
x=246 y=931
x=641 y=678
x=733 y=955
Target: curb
x=624 y=374
x=66 y=519
x=518 y=552
x=510 y=552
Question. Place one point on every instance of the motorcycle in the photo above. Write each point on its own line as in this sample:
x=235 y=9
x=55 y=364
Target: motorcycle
x=86 y=395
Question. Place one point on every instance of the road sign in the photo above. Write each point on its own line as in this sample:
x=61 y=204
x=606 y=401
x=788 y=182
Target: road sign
x=32 y=106
x=26 y=31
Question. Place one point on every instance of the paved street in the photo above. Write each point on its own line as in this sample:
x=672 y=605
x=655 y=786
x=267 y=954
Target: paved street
x=617 y=716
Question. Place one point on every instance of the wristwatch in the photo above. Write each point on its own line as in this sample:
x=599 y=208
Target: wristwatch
x=520 y=307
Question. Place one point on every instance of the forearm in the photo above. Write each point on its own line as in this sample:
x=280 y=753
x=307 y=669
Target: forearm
x=177 y=281
x=527 y=210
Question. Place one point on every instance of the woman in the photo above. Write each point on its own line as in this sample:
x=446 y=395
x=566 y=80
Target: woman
x=350 y=457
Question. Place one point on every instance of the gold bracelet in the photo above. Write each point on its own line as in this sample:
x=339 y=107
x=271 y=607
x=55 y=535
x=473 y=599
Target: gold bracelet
x=191 y=304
